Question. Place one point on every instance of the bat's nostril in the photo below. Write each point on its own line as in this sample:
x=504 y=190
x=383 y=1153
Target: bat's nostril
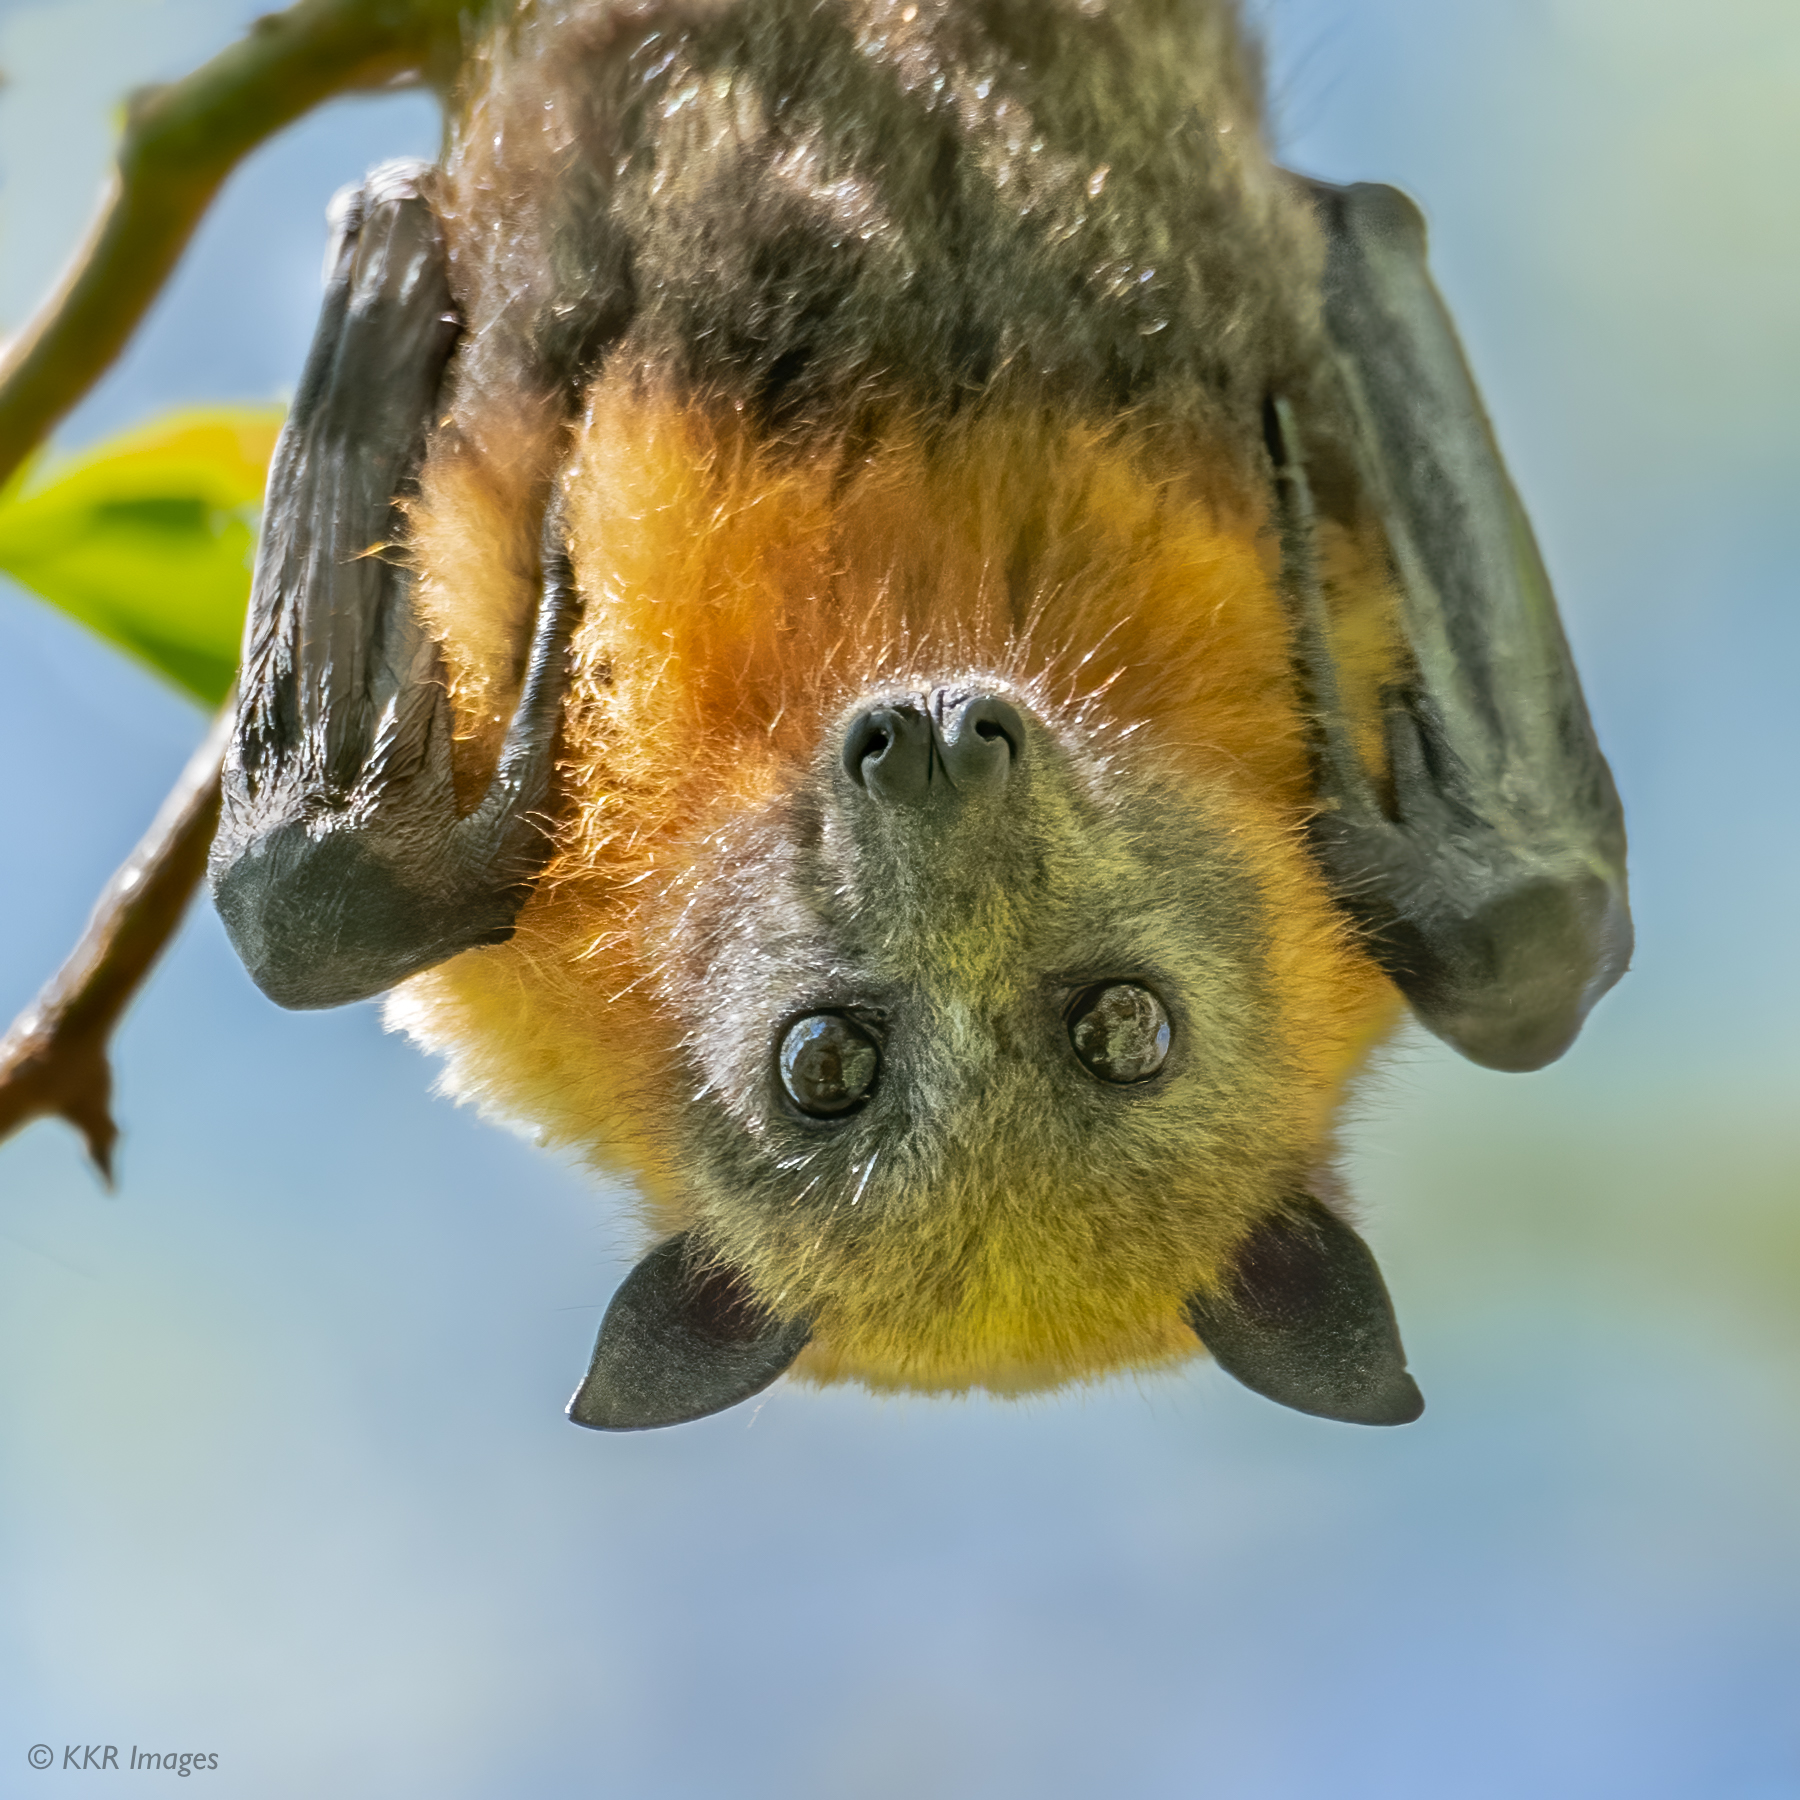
x=983 y=739
x=864 y=742
x=887 y=750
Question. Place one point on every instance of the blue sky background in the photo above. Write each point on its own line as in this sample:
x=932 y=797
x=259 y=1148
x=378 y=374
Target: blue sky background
x=283 y=1472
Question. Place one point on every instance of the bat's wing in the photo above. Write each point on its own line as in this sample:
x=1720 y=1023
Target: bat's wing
x=1492 y=881
x=342 y=865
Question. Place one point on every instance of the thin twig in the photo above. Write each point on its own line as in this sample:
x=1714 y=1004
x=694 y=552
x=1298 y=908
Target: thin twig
x=53 y=1060
x=179 y=144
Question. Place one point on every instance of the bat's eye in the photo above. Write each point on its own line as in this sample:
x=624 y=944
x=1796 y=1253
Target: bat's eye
x=1120 y=1031
x=828 y=1065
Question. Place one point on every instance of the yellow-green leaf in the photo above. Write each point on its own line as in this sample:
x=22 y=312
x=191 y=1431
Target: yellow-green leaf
x=148 y=537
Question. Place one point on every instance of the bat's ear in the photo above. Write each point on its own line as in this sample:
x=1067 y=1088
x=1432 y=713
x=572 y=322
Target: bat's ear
x=679 y=1341
x=1302 y=1317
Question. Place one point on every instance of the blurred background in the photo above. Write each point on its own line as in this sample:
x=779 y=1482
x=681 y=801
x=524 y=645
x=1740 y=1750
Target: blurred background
x=285 y=1476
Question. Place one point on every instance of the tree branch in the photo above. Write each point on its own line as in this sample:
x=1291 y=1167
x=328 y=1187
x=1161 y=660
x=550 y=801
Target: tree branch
x=180 y=143
x=53 y=1060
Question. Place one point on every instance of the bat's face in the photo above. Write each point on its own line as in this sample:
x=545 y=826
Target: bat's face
x=991 y=1062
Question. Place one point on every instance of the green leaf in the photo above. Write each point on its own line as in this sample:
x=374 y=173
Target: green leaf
x=147 y=538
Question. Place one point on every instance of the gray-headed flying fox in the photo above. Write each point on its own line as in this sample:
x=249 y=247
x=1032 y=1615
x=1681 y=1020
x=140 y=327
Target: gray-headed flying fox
x=876 y=622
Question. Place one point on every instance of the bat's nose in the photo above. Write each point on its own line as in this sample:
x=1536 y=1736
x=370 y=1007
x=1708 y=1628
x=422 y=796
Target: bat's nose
x=953 y=741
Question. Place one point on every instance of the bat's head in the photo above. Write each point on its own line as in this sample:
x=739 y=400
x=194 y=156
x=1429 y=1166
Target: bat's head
x=980 y=1005
x=992 y=1027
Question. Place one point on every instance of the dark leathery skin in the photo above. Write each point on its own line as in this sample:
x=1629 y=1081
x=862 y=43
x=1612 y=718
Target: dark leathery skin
x=680 y=1341
x=1491 y=884
x=1303 y=1318
x=342 y=865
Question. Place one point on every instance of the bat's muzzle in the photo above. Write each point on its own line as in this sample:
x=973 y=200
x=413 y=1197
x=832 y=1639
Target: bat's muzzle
x=952 y=742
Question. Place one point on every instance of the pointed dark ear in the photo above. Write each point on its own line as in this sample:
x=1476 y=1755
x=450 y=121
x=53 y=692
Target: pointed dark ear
x=1304 y=1318
x=678 y=1342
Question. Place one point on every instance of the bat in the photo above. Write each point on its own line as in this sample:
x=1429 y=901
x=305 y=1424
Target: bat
x=869 y=618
